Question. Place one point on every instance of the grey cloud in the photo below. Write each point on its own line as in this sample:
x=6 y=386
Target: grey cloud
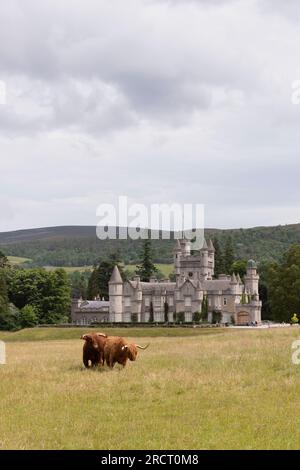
x=153 y=100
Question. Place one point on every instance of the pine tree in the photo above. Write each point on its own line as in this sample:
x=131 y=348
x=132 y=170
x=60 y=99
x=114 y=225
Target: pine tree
x=219 y=258
x=146 y=269
x=204 y=308
x=228 y=256
x=166 y=311
x=151 y=314
x=99 y=279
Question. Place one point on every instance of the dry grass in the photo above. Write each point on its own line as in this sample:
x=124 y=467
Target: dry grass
x=230 y=390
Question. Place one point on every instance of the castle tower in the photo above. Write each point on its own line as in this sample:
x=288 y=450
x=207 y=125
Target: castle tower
x=177 y=257
x=234 y=284
x=116 y=296
x=204 y=261
x=251 y=278
x=211 y=259
x=185 y=247
x=137 y=299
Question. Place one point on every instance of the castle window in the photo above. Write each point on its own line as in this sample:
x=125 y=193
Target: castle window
x=224 y=301
x=190 y=274
x=127 y=302
x=170 y=301
x=188 y=302
x=147 y=301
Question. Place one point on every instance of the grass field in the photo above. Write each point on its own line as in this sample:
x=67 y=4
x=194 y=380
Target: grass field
x=165 y=269
x=217 y=389
x=15 y=260
x=70 y=269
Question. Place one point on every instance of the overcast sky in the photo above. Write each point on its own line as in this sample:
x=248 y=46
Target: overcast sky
x=161 y=101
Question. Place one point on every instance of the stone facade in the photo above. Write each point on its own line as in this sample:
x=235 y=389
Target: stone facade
x=228 y=298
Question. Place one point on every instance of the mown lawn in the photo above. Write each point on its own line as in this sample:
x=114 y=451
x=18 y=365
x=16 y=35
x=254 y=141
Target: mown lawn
x=220 y=389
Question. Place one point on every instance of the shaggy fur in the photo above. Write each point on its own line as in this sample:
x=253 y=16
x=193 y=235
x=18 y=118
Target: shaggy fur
x=118 y=350
x=93 y=349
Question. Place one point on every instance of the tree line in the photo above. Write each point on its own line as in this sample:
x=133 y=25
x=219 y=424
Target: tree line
x=81 y=247
x=29 y=297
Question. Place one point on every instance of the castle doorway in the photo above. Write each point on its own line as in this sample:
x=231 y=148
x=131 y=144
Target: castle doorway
x=243 y=318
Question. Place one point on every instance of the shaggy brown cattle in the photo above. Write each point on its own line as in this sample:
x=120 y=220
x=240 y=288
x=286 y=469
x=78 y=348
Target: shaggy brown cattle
x=93 y=349
x=117 y=349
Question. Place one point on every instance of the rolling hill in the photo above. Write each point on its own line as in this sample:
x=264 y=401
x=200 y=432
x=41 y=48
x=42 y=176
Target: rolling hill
x=79 y=246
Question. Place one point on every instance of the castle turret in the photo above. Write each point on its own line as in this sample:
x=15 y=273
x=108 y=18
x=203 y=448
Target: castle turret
x=116 y=296
x=251 y=278
x=234 y=284
x=211 y=259
x=185 y=247
x=136 y=307
x=177 y=257
x=204 y=261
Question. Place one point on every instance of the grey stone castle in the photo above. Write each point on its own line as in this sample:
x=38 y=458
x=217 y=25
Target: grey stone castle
x=227 y=299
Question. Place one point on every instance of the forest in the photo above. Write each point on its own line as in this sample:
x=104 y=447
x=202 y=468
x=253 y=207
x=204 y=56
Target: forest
x=79 y=246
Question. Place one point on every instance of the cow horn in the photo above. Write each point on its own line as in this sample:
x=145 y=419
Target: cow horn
x=142 y=347
x=102 y=334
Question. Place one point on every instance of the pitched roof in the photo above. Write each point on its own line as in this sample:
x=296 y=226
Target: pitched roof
x=94 y=305
x=216 y=284
x=116 y=276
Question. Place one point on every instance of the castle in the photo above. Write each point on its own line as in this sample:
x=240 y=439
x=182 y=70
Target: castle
x=226 y=299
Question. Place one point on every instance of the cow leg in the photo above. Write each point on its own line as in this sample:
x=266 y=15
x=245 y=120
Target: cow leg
x=86 y=362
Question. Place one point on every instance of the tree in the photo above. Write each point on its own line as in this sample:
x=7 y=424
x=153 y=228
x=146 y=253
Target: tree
x=4 y=304
x=151 y=313
x=284 y=285
x=294 y=319
x=216 y=316
x=3 y=260
x=28 y=316
x=10 y=319
x=219 y=258
x=146 y=269
x=101 y=274
x=197 y=316
x=166 y=312
x=180 y=317
x=239 y=267
x=79 y=284
x=204 y=308
x=228 y=256
x=47 y=291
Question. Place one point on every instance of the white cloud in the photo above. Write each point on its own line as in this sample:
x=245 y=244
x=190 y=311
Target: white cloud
x=162 y=101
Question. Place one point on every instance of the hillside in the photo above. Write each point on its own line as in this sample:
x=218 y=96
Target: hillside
x=79 y=246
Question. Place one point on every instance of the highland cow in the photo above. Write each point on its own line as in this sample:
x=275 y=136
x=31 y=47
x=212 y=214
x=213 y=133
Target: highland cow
x=118 y=350
x=93 y=349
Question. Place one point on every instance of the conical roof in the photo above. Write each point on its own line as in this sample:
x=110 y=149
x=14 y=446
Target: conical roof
x=239 y=279
x=116 y=276
x=233 y=279
x=210 y=245
x=204 y=246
